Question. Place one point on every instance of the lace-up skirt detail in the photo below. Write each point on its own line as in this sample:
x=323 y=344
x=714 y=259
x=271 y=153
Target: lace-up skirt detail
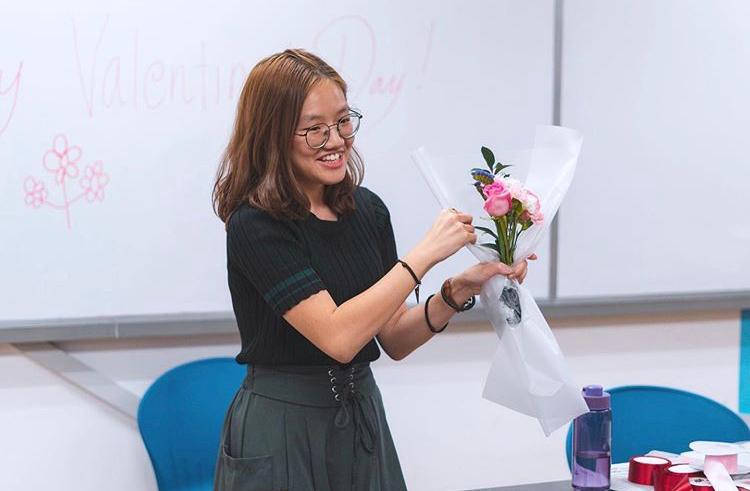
x=308 y=428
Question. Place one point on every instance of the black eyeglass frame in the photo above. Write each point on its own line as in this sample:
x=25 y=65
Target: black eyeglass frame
x=352 y=112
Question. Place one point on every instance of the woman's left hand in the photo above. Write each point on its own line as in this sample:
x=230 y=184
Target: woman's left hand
x=520 y=270
x=473 y=278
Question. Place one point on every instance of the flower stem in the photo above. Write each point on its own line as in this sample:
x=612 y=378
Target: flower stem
x=511 y=231
x=501 y=227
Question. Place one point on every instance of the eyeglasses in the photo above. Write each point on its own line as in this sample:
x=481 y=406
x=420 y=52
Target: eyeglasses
x=317 y=136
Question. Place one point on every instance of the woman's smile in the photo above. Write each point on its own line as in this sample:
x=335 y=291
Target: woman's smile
x=332 y=160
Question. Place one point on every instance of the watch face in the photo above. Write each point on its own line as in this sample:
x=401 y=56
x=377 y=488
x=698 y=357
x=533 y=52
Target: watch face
x=469 y=303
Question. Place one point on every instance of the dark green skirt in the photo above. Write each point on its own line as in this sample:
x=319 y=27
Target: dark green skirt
x=308 y=428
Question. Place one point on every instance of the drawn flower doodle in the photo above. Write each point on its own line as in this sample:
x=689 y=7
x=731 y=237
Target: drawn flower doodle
x=36 y=193
x=94 y=181
x=62 y=160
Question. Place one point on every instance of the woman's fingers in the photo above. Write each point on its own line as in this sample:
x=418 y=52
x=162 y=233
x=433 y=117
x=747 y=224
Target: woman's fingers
x=463 y=217
x=518 y=271
x=503 y=268
x=471 y=237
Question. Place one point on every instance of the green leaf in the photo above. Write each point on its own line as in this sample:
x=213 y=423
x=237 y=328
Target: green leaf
x=499 y=166
x=489 y=157
x=491 y=245
x=486 y=230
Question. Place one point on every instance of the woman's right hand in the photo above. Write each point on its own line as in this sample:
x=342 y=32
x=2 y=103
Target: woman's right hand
x=451 y=231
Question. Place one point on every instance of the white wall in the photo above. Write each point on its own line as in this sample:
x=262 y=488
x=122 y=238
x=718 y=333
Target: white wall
x=448 y=438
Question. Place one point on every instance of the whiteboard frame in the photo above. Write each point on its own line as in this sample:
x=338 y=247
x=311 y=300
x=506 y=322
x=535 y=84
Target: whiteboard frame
x=220 y=323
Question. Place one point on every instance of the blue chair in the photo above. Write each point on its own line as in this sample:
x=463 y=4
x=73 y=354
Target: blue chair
x=647 y=417
x=180 y=419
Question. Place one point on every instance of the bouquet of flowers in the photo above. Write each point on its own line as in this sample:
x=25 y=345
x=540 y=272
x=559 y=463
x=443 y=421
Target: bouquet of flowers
x=528 y=373
x=513 y=209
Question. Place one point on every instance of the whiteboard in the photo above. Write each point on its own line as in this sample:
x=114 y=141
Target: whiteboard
x=113 y=116
x=660 y=200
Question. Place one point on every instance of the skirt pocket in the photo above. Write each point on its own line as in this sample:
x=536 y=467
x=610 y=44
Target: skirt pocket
x=244 y=473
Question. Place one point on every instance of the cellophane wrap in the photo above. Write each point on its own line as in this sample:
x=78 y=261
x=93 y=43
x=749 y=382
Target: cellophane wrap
x=529 y=373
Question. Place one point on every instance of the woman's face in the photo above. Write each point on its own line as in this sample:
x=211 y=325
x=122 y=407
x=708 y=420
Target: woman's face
x=314 y=168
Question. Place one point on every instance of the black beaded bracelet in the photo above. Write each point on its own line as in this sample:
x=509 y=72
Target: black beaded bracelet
x=413 y=275
x=427 y=317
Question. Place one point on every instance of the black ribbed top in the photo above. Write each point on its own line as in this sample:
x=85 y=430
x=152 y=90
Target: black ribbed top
x=274 y=264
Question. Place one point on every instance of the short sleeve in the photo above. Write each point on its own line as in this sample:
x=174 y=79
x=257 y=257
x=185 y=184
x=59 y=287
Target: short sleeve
x=268 y=253
x=385 y=230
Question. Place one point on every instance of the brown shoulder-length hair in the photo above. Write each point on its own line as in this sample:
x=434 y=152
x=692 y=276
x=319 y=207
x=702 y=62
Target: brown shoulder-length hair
x=256 y=166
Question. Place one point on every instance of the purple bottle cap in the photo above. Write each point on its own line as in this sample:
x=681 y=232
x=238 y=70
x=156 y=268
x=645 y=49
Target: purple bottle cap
x=596 y=398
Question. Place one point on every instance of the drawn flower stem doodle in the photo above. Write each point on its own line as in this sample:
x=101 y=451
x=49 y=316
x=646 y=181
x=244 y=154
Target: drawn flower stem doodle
x=62 y=161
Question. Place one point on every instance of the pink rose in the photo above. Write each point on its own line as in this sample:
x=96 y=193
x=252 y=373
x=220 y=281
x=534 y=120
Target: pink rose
x=532 y=203
x=517 y=191
x=499 y=200
x=532 y=208
x=496 y=187
x=537 y=217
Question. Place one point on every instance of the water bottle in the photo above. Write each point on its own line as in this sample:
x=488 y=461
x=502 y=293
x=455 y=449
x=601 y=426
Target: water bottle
x=592 y=442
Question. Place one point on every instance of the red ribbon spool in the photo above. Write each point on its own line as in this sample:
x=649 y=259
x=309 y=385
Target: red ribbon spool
x=675 y=478
x=643 y=468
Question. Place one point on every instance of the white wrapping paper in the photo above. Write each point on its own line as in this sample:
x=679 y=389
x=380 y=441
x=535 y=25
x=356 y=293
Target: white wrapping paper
x=528 y=373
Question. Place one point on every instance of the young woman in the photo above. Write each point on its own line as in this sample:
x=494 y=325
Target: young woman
x=315 y=279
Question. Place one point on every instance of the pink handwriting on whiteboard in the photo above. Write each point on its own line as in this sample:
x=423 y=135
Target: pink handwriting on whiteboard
x=131 y=78
x=62 y=161
x=351 y=43
x=9 y=97
x=358 y=63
